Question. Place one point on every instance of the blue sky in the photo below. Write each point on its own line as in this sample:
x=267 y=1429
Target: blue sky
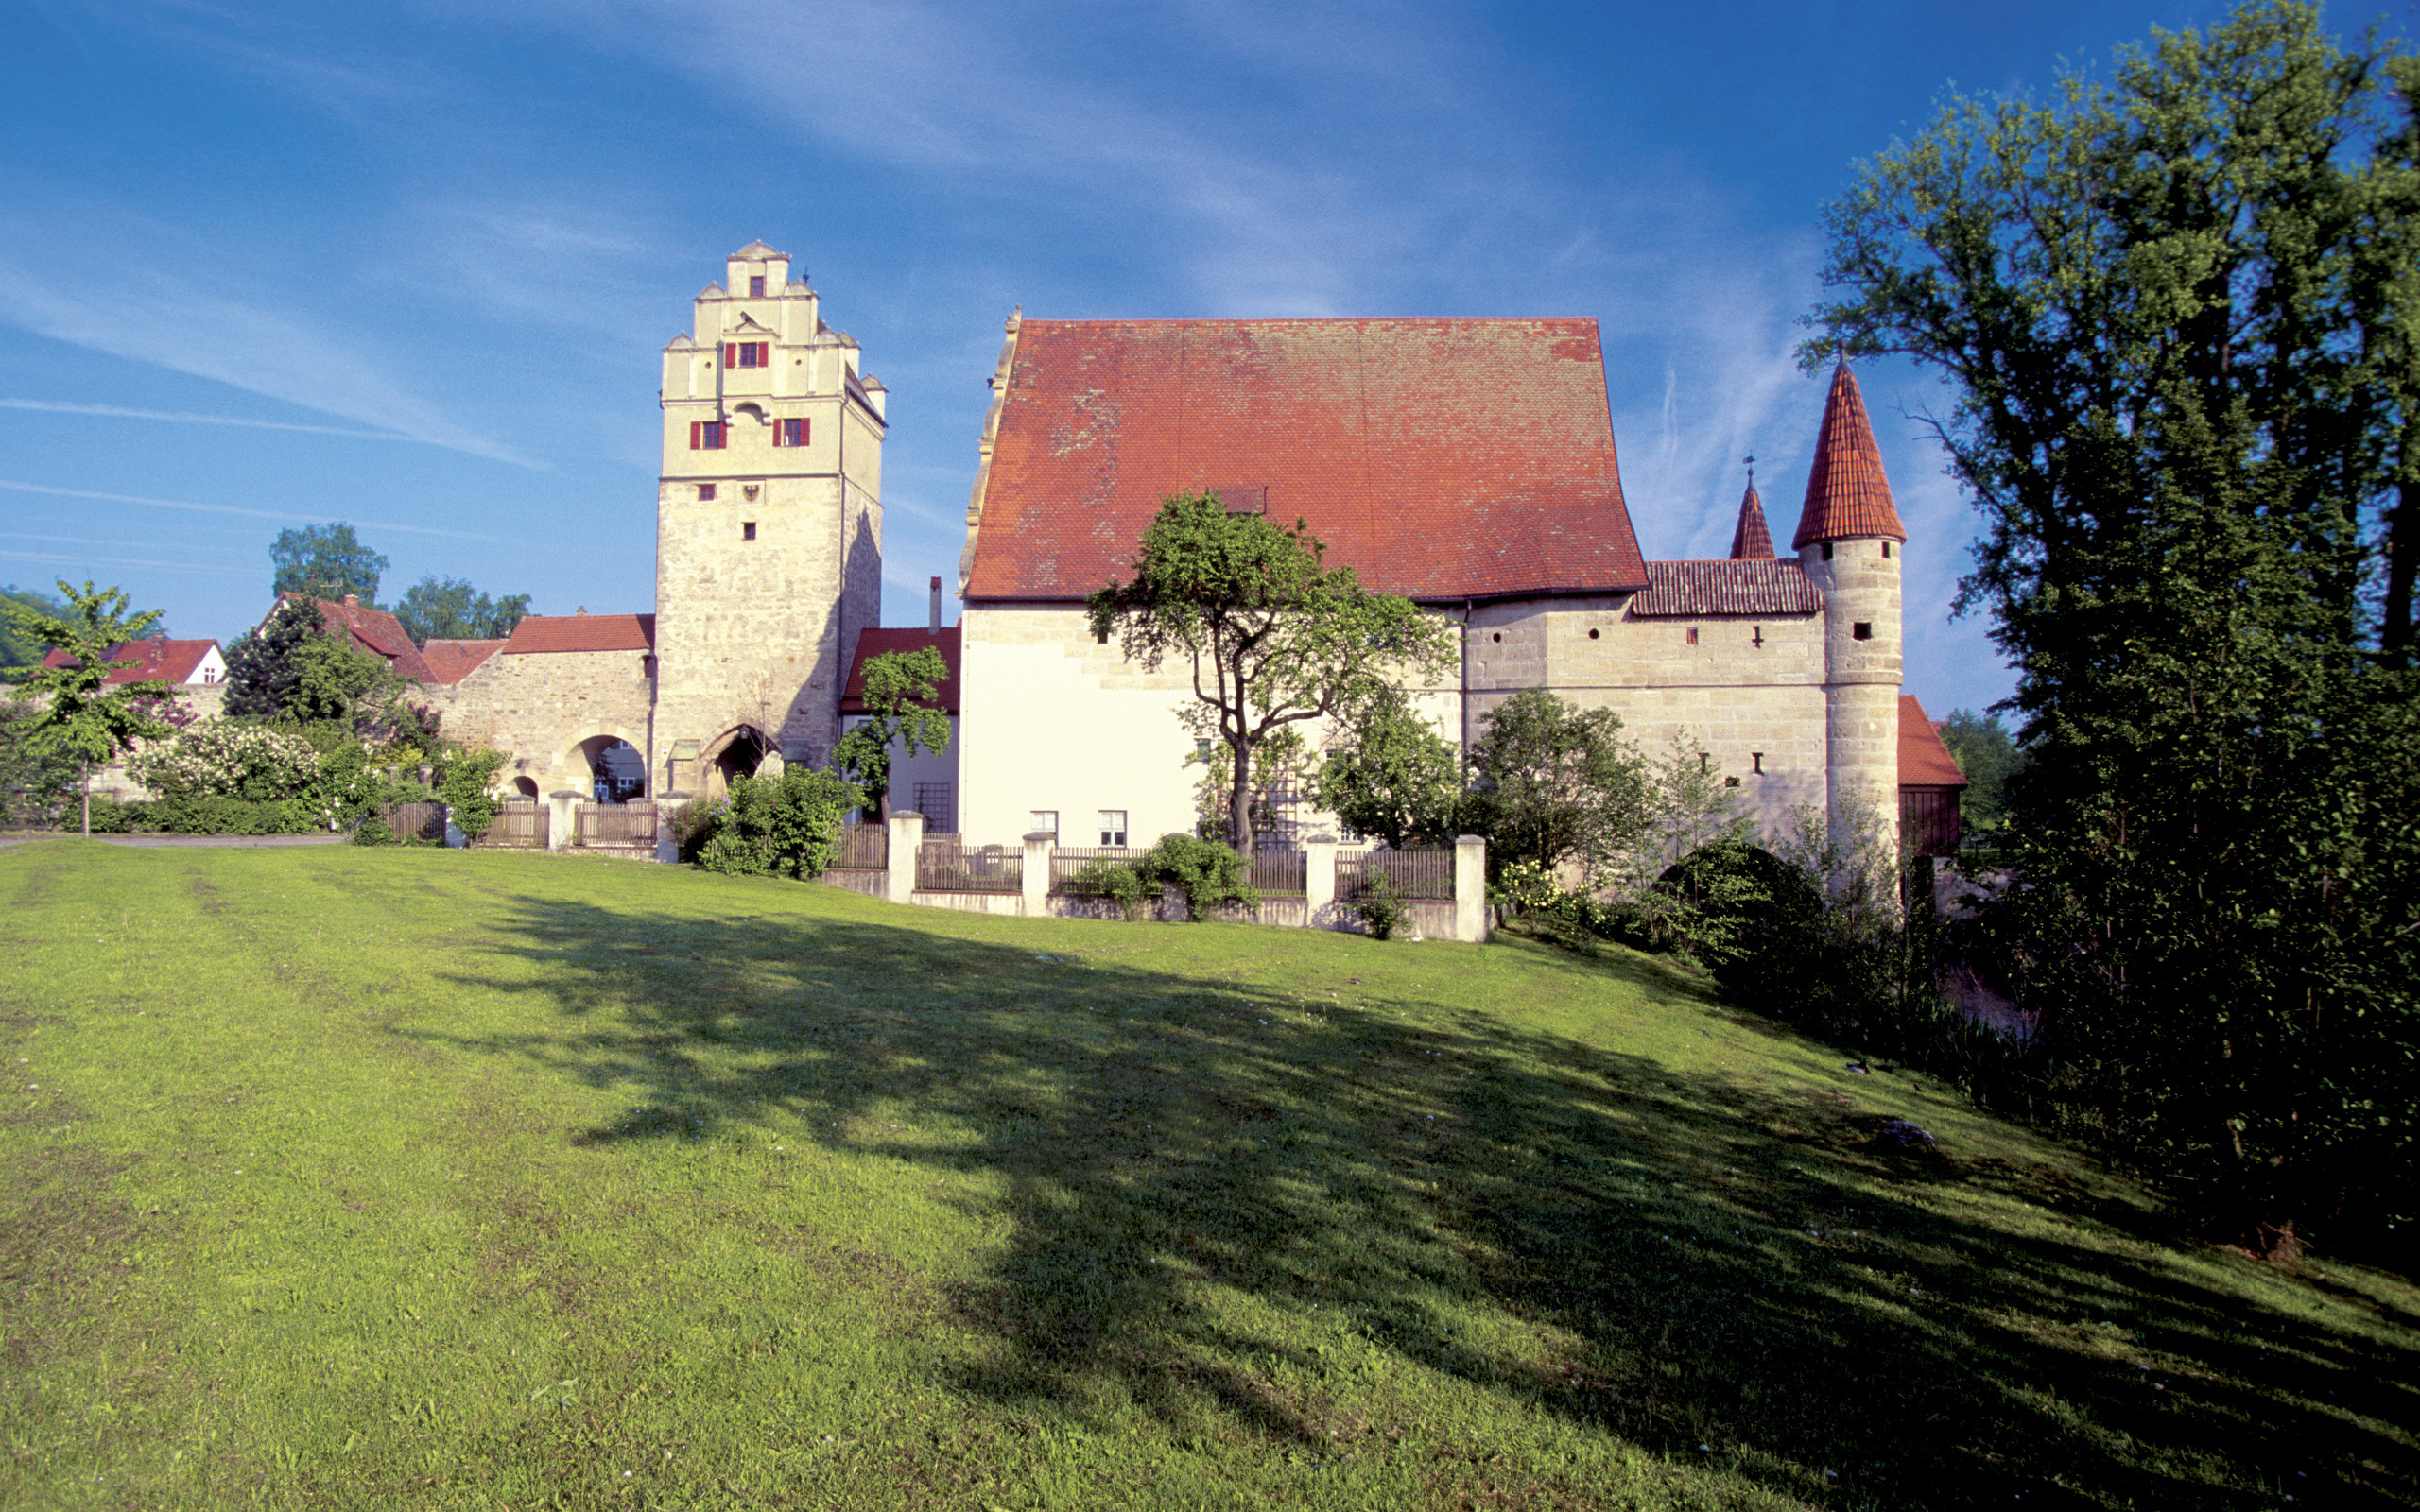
x=410 y=265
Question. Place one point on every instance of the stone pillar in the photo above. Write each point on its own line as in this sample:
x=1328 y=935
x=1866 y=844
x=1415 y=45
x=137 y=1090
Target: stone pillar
x=907 y=839
x=1319 y=881
x=1470 y=888
x=1038 y=847
x=563 y=809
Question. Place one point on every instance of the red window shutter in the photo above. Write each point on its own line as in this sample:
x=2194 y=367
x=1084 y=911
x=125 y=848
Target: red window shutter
x=695 y=426
x=730 y=353
x=763 y=354
x=805 y=431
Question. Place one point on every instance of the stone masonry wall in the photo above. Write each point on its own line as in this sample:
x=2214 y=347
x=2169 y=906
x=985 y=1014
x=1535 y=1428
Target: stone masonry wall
x=538 y=707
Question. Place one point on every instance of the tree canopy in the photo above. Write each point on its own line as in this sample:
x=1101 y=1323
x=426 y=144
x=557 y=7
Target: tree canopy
x=19 y=652
x=450 y=608
x=1551 y=783
x=325 y=561
x=2176 y=308
x=902 y=696
x=1274 y=635
x=1391 y=775
x=83 y=714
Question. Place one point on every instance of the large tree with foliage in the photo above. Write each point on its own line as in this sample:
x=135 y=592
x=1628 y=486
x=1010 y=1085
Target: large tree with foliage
x=1551 y=783
x=902 y=698
x=19 y=655
x=325 y=561
x=1389 y=774
x=2175 y=307
x=1275 y=636
x=289 y=667
x=450 y=608
x=84 y=715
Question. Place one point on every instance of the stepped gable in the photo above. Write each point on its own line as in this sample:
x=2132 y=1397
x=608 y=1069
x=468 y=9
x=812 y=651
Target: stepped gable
x=1442 y=459
x=1846 y=492
x=1698 y=590
x=539 y=633
x=1752 y=540
x=155 y=660
x=874 y=642
x=450 y=662
x=371 y=630
x=1924 y=759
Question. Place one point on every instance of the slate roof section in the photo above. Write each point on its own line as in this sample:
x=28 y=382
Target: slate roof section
x=373 y=631
x=450 y=662
x=1752 y=540
x=1700 y=590
x=538 y=634
x=158 y=661
x=1846 y=492
x=1924 y=761
x=874 y=642
x=1442 y=459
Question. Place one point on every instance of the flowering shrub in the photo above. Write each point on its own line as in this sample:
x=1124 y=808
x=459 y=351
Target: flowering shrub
x=217 y=758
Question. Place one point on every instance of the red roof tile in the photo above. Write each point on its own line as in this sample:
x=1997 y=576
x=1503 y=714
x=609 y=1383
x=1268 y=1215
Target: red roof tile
x=160 y=661
x=450 y=662
x=538 y=633
x=1441 y=459
x=1752 y=540
x=373 y=631
x=1924 y=761
x=1846 y=493
x=872 y=644
x=1692 y=590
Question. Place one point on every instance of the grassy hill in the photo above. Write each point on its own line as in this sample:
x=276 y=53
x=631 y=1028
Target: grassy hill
x=377 y=1178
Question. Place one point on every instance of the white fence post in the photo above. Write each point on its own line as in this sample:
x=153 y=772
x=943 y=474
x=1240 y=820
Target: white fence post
x=1470 y=889
x=562 y=819
x=1037 y=873
x=1319 y=881
x=906 y=839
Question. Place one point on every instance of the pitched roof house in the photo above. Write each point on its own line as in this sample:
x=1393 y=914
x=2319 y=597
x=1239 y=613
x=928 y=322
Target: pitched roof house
x=195 y=664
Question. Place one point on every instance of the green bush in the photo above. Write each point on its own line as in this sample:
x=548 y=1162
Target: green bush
x=785 y=826
x=1381 y=906
x=1207 y=872
x=229 y=815
x=110 y=817
x=1118 y=881
x=691 y=823
x=373 y=831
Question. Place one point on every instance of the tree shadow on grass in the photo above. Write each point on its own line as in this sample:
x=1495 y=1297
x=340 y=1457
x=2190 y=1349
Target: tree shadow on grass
x=1687 y=1261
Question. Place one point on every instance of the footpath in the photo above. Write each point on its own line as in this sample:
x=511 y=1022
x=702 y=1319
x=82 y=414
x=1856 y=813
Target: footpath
x=7 y=840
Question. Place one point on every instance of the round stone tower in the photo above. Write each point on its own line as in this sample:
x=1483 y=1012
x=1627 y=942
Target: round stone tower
x=1849 y=541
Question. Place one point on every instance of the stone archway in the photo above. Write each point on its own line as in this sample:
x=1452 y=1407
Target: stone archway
x=609 y=768
x=736 y=752
x=522 y=788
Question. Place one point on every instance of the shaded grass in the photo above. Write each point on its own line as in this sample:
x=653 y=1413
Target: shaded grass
x=367 y=1178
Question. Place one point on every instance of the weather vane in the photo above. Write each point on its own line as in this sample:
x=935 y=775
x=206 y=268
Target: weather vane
x=1751 y=460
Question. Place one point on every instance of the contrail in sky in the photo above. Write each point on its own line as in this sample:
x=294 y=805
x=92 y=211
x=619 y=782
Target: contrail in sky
x=62 y=407
x=229 y=509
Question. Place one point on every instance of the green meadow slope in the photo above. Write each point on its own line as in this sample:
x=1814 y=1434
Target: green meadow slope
x=380 y=1179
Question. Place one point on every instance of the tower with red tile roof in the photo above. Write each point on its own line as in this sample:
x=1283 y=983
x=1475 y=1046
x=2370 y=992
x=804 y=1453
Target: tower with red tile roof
x=1848 y=543
x=768 y=526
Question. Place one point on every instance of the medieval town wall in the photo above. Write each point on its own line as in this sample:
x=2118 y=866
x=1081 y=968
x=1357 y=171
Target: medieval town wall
x=539 y=707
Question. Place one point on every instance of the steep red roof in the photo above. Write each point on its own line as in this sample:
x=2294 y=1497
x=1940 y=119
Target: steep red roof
x=450 y=662
x=582 y=632
x=1693 y=590
x=373 y=631
x=872 y=644
x=1846 y=493
x=1924 y=761
x=1440 y=459
x=1752 y=540
x=157 y=660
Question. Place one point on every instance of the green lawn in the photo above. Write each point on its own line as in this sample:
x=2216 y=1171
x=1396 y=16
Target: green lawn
x=388 y=1178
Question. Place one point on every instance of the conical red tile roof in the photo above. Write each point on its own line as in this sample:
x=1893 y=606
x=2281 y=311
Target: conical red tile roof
x=1752 y=540
x=1846 y=493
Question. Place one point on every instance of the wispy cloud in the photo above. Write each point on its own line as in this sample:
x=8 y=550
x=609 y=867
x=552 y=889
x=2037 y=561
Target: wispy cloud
x=21 y=486
x=61 y=560
x=60 y=406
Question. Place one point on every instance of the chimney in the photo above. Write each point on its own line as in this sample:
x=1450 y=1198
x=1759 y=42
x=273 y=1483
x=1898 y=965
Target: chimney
x=934 y=628
x=352 y=600
x=582 y=610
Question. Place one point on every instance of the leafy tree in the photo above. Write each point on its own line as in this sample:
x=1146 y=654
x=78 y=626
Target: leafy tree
x=449 y=609
x=1275 y=636
x=785 y=826
x=1392 y=775
x=903 y=707
x=466 y=785
x=19 y=655
x=83 y=716
x=325 y=561
x=1552 y=783
x=264 y=666
x=1987 y=754
x=339 y=682
x=32 y=773
x=2176 y=309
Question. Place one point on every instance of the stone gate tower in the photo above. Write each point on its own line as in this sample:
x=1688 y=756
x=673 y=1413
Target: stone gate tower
x=768 y=527
x=1849 y=542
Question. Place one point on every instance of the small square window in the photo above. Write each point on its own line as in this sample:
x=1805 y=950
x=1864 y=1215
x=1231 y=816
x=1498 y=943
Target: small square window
x=748 y=530
x=1756 y=762
x=755 y=285
x=1827 y=551
x=1045 y=821
x=1112 y=826
x=1886 y=551
x=1862 y=631
x=706 y=493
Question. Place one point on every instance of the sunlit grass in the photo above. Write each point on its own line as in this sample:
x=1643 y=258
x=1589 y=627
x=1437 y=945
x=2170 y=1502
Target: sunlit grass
x=360 y=1178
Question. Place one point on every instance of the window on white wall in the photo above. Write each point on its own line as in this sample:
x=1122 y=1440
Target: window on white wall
x=1045 y=821
x=1112 y=826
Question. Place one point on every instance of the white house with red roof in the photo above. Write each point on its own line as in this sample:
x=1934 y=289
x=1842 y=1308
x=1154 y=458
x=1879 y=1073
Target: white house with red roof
x=188 y=665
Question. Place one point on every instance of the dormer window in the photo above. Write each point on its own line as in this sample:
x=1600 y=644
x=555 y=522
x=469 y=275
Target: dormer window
x=746 y=354
x=756 y=285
